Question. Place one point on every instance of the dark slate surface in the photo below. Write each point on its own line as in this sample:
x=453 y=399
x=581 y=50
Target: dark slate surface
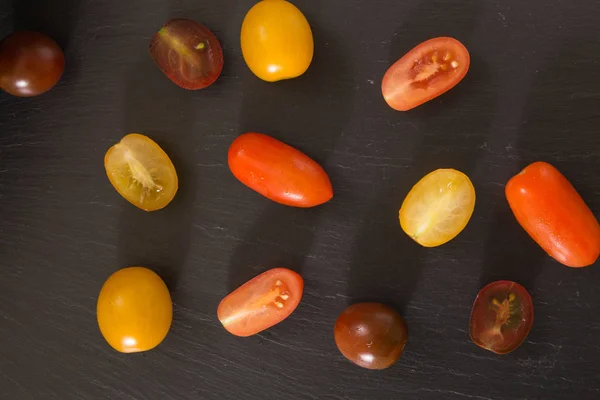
x=533 y=93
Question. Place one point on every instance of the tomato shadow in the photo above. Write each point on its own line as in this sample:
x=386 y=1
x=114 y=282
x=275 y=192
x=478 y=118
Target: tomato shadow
x=553 y=130
x=449 y=132
x=310 y=114
x=56 y=19
x=557 y=127
x=160 y=239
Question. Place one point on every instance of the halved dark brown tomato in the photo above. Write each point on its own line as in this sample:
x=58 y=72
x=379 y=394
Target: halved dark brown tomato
x=188 y=53
x=427 y=71
x=502 y=317
x=261 y=302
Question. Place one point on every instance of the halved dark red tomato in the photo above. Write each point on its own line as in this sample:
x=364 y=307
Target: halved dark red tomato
x=427 y=71
x=261 y=302
x=188 y=53
x=502 y=317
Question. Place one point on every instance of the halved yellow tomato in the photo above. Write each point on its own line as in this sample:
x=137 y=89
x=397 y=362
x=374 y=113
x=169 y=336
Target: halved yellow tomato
x=438 y=207
x=141 y=172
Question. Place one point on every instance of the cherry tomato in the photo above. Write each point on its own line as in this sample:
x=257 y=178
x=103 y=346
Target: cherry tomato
x=371 y=335
x=502 y=317
x=438 y=207
x=278 y=171
x=555 y=216
x=141 y=172
x=30 y=63
x=262 y=302
x=427 y=71
x=134 y=310
x=277 y=41
x=187 y=53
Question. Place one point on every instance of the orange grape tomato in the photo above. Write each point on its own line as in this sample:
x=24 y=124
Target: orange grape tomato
x=261 y=302
x=141 y=172
x=427 y=71
x=552 y=212
x=502 y=317
x=134 y=310
x=277 y=42
x=278 y=171
x=438 y=207
x=188 y=53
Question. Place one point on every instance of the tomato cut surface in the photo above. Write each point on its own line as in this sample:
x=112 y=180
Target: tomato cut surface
x=261 y=302
x=188 y=53
x=427 y=71
x=502 y=317
x=552 y=212
x=278 y=171
x=438 y=207
x=141 y=172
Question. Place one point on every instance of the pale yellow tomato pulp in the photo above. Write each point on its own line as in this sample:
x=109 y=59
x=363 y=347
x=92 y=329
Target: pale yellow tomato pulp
x=141 y=172
x=438 y=207
x=277 y=42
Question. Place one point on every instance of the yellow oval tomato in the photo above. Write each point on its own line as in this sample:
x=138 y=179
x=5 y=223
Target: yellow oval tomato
x=134 y=310
x=141 y=172
x=438 y=207
x=277 y=41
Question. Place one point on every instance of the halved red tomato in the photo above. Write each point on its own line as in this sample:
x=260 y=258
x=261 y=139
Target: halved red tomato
x=502 y=317
x=262 y=302
x=427 y=71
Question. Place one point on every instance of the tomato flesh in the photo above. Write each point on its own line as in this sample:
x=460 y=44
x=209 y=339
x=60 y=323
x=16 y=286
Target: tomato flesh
x=188 y=53
x=141 y=172
x=371 y=335
x=261 y=302
x=427 y=71
x=31 y=63
x=438 y=207
x=278 y=171
x=552 y=212
x=501 y=317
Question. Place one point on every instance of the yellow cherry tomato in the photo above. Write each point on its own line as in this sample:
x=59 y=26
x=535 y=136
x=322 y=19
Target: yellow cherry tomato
x=277 y=42
x=438 y=207
x=141 y=172
x=134 y=310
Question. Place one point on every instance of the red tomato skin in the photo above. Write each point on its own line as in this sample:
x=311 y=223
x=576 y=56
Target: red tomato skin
x=398 y=75
x=552 y=212
x=294 y=282
x=278 y=171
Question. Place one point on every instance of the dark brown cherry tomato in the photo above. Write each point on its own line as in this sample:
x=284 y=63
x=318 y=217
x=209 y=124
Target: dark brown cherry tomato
x=427 y=71
x=188 y=53
x=261 y=302
x=278 y=171
x=371 y=335
x=502 y=317
x=30 y=63
x=549 y=208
